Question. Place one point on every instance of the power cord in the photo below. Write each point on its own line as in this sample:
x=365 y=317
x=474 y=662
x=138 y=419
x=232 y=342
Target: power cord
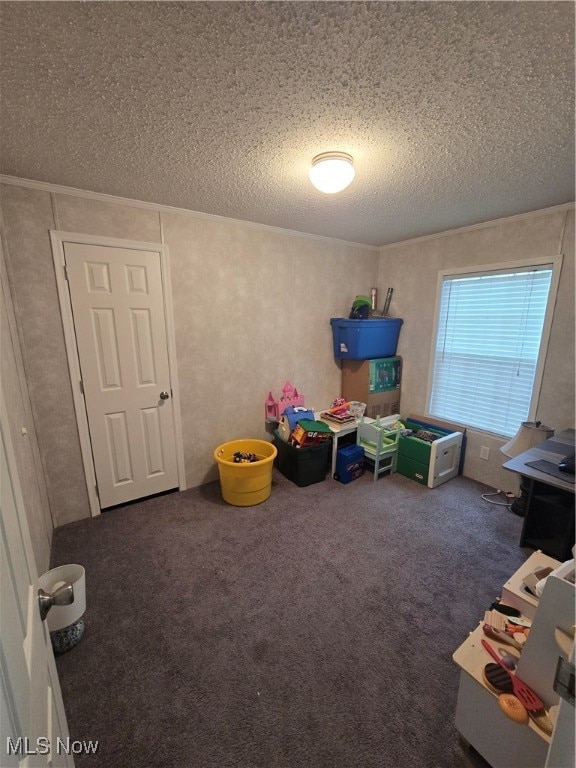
x=509 y=496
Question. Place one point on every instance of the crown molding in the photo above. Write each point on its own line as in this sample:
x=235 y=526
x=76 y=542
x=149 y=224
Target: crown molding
x=106 y=198
x=481 y=225
x=46 y=186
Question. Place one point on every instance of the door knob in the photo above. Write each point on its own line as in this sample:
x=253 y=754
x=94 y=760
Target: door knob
x=64 y=595
x=164 y=395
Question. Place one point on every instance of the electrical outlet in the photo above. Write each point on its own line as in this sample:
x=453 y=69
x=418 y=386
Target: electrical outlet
x=485 y=452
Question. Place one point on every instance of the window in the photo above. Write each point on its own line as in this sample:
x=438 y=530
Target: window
x=490 y=328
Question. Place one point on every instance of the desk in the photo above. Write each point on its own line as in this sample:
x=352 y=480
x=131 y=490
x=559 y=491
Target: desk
x=549 y=520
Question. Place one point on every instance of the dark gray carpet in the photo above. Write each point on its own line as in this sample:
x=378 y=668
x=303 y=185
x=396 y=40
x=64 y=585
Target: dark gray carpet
x=315 y=630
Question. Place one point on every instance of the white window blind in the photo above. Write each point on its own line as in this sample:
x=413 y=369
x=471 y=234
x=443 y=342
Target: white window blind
x=487 y=346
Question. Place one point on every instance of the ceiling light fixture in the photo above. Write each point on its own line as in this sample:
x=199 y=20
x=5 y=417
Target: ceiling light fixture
x=332 y=172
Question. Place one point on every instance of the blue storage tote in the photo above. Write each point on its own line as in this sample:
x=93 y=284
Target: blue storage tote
x=365 y=339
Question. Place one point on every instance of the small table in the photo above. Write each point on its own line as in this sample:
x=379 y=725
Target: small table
x=549 y=520
x=338 y=431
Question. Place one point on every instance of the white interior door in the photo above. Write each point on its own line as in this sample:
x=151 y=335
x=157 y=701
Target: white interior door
x=33 y=727
x=119 y=318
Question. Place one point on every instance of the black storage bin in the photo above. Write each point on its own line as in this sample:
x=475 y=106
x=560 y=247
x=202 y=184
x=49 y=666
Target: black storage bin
x=302 y=466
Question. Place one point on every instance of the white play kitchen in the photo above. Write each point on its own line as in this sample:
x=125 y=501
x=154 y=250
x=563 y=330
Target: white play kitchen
x=495 y=715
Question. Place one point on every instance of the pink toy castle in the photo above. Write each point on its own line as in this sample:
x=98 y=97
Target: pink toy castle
x=275 y=408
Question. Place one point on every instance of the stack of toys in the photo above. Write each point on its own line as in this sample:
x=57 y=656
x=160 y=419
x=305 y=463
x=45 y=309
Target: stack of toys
x=308 y=432
x=241 y=457
x=290 y=418
x=339 y=413
x=298 y=427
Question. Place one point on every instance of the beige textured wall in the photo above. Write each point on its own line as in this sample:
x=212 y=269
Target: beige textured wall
x=251 y=309
x=18 y=416
x=28 y=217
x=412 y=270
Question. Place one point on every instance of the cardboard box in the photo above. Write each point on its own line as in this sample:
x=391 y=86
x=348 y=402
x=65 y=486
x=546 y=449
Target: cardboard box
x=370 y=377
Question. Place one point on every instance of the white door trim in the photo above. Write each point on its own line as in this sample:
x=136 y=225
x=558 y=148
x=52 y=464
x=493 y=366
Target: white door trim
x=58 y=239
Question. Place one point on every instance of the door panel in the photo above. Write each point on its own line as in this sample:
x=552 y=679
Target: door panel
x=118 y=445
x=106 y=347
x=32 y=713
x=152 y=440
x=143 y=350
x=118 y=308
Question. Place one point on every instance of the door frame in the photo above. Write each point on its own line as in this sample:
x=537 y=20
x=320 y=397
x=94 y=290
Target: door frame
x=58 y=239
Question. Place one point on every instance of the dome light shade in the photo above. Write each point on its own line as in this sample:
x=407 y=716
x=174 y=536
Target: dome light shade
x=332 y=172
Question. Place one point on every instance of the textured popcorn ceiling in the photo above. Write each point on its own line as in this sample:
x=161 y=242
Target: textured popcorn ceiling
x=455 y=113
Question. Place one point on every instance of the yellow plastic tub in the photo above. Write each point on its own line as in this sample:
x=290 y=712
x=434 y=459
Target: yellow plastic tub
x=244 y=485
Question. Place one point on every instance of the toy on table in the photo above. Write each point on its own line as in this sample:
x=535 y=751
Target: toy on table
x=357 y=409
x=339 y=412
x=339 y=407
